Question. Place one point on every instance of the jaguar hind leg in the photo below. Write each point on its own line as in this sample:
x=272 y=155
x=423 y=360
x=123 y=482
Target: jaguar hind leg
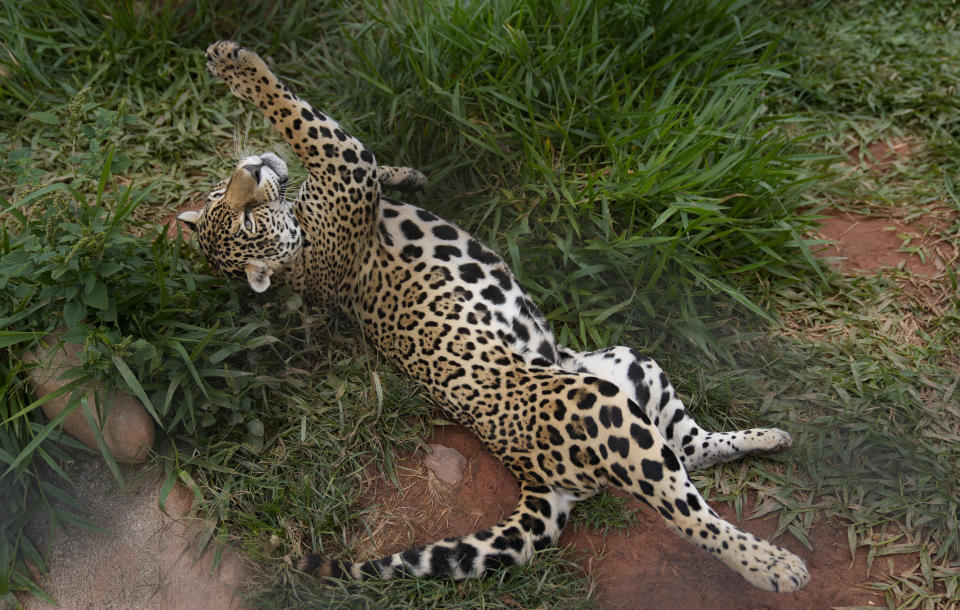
x=646 y=384
x=610 y=439
x=653 y=474
x=536 y=523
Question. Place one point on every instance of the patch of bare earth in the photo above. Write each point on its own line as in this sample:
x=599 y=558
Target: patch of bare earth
x=917 y=247
x=923 y=247
x=922 y=242
x=881 y=156
x=643 y=566
x=144 y=560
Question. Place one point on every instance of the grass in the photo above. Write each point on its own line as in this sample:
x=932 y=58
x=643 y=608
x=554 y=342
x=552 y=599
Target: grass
x=652 y=172
x=604 y=512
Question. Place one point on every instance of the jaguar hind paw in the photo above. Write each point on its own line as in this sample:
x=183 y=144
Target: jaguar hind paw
x=772 y=568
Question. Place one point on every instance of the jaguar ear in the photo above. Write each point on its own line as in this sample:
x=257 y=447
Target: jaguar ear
x=258 y=275
x=190 y=219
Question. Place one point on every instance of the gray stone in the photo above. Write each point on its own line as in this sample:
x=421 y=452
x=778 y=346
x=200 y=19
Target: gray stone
x=446 y=463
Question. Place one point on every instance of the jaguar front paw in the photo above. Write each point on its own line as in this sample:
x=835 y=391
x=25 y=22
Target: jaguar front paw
x=241 y=68
x=224 y=57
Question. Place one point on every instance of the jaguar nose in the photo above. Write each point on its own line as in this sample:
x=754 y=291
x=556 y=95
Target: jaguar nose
x=254 y=170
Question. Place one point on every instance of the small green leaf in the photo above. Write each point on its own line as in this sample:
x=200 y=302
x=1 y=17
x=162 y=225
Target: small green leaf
x=109 y=268
x=45 y=117
x=97 y=296
x=15 y=263
x=73 y=312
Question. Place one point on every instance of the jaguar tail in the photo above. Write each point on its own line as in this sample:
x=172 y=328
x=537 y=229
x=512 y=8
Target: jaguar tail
x=535 y=524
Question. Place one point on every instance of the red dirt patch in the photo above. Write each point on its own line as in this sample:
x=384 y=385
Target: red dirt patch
x=424 y=509
x=924 y=246
x=650 y=563
x=879 y=156
x=645 y=565
x=870 y=243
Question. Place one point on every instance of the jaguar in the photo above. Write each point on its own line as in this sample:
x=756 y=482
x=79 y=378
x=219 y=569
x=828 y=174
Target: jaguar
x=449 y=312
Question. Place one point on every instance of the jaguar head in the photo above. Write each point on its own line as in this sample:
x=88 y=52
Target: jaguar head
x=246 y=229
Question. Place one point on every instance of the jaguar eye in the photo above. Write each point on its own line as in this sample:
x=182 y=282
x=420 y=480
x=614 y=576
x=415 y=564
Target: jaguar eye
x=248 y=223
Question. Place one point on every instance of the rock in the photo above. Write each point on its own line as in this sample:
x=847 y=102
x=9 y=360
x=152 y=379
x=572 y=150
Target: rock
x=446 y=463
x=126 y=427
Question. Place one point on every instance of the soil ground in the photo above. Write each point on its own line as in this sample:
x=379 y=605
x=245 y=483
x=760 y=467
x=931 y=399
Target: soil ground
x=144 y=560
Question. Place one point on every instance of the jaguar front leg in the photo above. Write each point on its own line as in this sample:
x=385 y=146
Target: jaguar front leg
x=320 y=142
x=337 y=205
